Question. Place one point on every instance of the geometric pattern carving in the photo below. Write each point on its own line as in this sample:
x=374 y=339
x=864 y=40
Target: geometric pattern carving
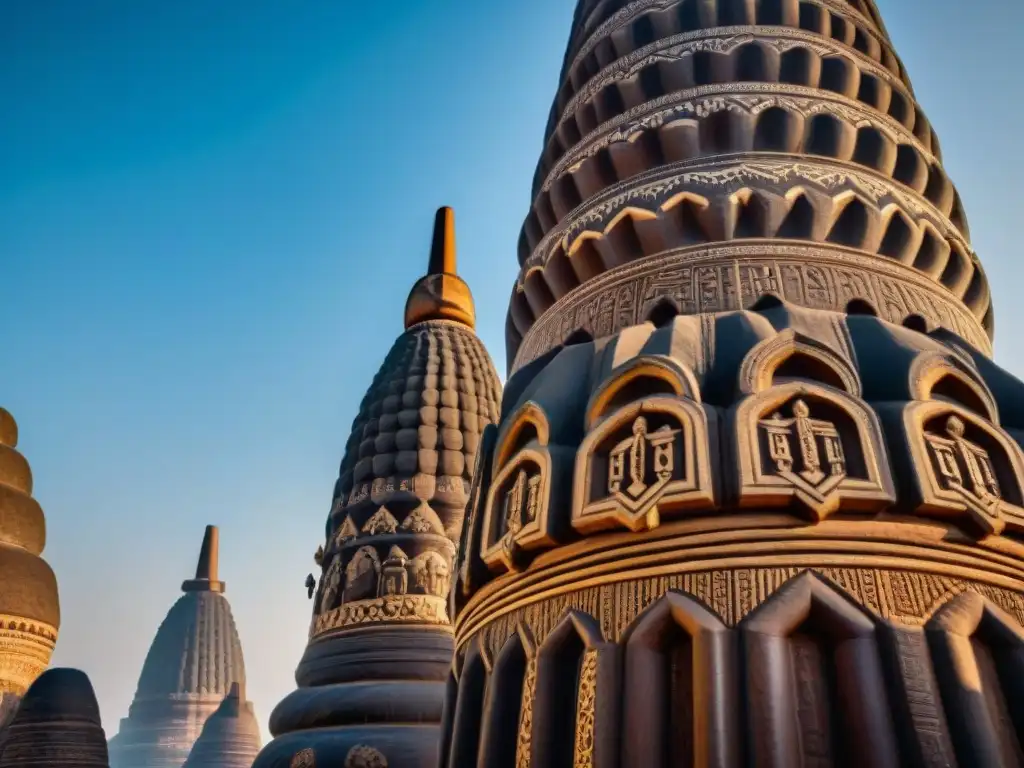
x=964 y=467
x=812 y=445
x=649 y=458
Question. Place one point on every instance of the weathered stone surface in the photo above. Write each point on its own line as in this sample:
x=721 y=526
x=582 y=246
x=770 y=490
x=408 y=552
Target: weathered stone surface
x=29 y=608
x=231 y=736
x=57 y=725
x=191 y=666
x=371 y=682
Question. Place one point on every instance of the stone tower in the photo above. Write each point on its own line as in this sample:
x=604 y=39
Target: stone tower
x=29 y=609
x=57 y=725
x=757 y=492
x=231 y=736
x=371 y=682
x=191 y=666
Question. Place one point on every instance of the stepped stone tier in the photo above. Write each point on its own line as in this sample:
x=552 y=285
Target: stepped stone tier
x=191 y=666
x=57 y=725
x=756 y=496
x=231 y=736
x=371 y=682
x=29 y=608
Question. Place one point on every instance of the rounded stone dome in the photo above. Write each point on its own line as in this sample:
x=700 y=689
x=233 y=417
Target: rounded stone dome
x=196 y=650
x=231 y=736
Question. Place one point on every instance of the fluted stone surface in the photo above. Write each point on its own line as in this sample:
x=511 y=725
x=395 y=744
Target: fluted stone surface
x=57 y=725
x=192 y=663
x=710 y=151
x=756 y=496
x=29 y=608
x=231 y=736
x=371 y=682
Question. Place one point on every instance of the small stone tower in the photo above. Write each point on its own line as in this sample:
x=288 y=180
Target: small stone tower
x=57 y=725
x=371 y=682
x=231 y=736
x=29 y=609
x=191 y=666
x=756 y=497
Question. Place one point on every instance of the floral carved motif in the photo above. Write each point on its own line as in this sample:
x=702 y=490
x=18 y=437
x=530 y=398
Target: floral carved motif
x=422 y=609
x=524 y=740
x=586 y=712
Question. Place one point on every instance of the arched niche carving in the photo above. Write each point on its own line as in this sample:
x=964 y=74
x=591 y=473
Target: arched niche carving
x=649 y=458
x=331 y=586
x=815 y=685
x=472 y=571
x=517 y=518
x=978 y=655
x=938 y=376
x=529 y=424
x=789 y=355
x=472 y=685
x=681 y=699
x=508 y=706
x=431 y=574
x=962 y=467
x=362 y=575
x=575 y=667
x=810 y=446
x=638 y=378
x=394 y=574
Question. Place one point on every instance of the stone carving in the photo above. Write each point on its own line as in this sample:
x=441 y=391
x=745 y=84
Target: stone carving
x=381 y=522
x=362 y=574
x=965 y=468
x=431 y=574
x=585 y=711
x=423 y=520
x=662 y=464
x=304 y=758
x=720 y=278
x=394 y=578
x=516 y=512
x=524 y=756
x=332 y=585
x=346 y=533
x=399 y=609
x=786 y=451
x=361 y=756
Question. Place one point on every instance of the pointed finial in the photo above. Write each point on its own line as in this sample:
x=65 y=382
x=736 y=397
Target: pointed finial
x=441 y=294
x=206 y=569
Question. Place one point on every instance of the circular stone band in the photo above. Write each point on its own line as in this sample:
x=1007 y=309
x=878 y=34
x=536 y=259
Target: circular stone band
x=733 y=276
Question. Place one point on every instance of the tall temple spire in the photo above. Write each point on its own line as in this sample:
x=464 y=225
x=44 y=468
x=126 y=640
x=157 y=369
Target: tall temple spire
x=206 y=569
x=757 y=493
x=441 y=294
x=371 y=681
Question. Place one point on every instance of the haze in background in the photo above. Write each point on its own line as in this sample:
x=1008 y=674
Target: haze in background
x=210 y=217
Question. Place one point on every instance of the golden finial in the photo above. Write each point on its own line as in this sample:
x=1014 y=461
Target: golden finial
x=441 y=294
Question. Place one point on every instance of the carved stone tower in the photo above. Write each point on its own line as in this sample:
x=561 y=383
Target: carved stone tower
x=371 y=682
x=757 y=492
x=29 y=609
x=194 y=660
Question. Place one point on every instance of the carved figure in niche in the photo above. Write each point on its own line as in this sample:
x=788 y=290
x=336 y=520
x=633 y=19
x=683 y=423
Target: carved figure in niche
x=362 y=575
x=431 y=574
x=630 y=457
x=520 y=507
x=804 y=448
x=965 y=468
x=394 y=578
x=381 y=522
x=331 y=585
x=361 y=756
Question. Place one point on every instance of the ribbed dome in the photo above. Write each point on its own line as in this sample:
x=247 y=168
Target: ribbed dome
x=196 y=649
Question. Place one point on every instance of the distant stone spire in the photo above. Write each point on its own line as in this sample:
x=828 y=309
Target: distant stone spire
x=231 y=736
x=441 y=294
x=206 y=568
x=29 y=608
x=56 y=726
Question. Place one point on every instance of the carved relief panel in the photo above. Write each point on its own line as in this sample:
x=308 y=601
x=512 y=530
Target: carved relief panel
x=362 y=575
x=516 y=516
x=963 y=466
x=394 y=578
x=649 y=458
x=811 y=445
x=431 y=574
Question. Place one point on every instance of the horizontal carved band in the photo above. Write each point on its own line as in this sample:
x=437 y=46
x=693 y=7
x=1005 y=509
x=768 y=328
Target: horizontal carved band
x=404 y=609
x=730 y=277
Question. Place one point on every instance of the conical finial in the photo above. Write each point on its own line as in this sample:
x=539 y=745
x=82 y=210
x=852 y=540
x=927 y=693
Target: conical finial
x=441 y=294
x=206 y=568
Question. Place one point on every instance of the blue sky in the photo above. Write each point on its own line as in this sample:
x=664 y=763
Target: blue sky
x=210 y=217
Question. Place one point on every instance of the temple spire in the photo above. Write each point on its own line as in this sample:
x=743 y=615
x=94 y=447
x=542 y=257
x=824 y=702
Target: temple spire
x=206 y=569
x=441 y=294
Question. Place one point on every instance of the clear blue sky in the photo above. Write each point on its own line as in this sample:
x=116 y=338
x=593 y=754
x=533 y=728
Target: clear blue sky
x=210 y=216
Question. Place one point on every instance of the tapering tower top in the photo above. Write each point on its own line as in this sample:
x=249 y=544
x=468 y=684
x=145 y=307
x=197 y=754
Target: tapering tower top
x=206 y=569
x=441 y=294
x=705 y=153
